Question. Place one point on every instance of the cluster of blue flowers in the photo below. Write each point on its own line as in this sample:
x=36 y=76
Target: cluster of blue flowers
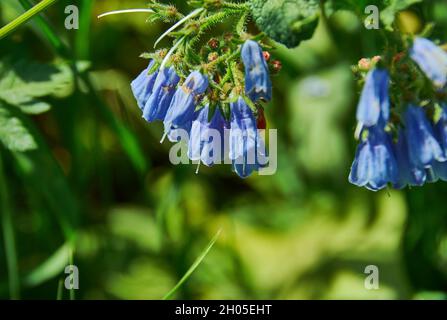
x=414 y=151
x=162 y=95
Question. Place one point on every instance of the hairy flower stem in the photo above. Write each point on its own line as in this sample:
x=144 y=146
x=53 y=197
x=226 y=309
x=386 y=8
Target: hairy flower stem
x=13 y=25
x=236 y=6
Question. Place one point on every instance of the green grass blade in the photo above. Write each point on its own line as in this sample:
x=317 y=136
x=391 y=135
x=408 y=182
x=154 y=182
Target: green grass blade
x=8 y=237
x=128 y=141
x=10 y=27
x=50 y=268
x=60 y=290
x=72 y=290
x=82 y=47
x=193 y=267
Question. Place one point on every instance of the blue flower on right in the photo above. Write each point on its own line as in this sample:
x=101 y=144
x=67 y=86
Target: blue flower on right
x=402 y=119
x=431 y=59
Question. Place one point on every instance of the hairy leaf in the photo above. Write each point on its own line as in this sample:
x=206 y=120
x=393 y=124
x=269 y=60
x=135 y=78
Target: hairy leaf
x=287 y=21
x=13 y=134
x=22 y=84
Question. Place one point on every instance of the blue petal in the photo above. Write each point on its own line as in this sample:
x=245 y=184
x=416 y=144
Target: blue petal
x=143 y=85
x=181 y=111
x=243 y=169
x=243 y=132
x=441 y=129
x=431 y=59
x=257 y=78
x=408 y=174
x=207 y=138
x=360 y=169
x=160 y=99
x=375 y=164
x=423 y=148
x=374 y=105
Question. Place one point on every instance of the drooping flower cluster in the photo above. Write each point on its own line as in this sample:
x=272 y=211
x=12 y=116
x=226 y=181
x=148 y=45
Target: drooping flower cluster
x=184 y=106
x=411 y=148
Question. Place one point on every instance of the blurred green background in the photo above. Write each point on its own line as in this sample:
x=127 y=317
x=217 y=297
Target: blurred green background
x=87 y=181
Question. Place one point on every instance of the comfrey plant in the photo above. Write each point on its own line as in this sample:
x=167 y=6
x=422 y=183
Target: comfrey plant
x=211 y=89
x=402 y=137
x=209 y=92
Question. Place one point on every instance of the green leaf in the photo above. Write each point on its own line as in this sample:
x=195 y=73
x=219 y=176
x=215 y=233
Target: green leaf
x=394 y=6
x=22 y=84
x=13 y=134
x=286 y=21
x=50 y=268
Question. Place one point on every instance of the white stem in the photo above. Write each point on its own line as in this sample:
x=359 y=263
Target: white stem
x=164 y=137
x=179 y=23
x=198 y=168
x=169 y=54
x=125 y=11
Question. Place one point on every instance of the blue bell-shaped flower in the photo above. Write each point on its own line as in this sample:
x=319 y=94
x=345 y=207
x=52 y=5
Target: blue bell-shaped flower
x=257 y=78
x=143 y=84
x=162 y=93
x=409 y=175
x=374 y=106
x=423 y=148
x=207 y=138
x=431 y=59
x=374 y=164
x=247 y=148
x=181 y=111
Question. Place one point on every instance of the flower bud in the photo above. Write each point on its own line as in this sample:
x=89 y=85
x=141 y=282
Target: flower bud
x=277 y=65
x=266 y=55
x=364 y=64
x=213 y=56
x=213 y=43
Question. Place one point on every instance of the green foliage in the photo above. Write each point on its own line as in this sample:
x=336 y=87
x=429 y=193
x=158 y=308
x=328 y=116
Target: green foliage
x=287 y=21
x=393 y=7
x=292 y=21
x=322 y=148
x=23 y=84
x=13 y=134
x=135 y=230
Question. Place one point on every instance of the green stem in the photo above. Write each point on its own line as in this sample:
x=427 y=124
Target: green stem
x=236 y=6
x=8 y=237
x=10 y=27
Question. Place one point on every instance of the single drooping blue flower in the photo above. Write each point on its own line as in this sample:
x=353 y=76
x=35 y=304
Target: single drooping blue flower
x=423 y=148
x=257 y=78
x=409 y=175
x=143 y=84
x=374 y=164
x=163 y=91
x=431 y=59
x=374 y=105
x=247 y=149
x=441 y=129
x=181 y=111
x=207 y=138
